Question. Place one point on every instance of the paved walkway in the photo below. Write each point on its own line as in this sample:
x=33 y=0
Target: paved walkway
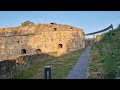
x=79 y=71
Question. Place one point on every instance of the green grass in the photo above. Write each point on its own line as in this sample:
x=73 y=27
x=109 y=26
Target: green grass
x=95 y=67
x=60 y=67
x=105 y=57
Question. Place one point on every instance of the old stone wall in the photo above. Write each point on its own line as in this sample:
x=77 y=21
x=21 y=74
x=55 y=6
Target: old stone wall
x=45 y=38
x=98 y=38
x=8 y=68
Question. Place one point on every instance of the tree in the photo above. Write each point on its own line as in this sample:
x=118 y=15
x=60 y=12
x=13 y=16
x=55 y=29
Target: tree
x=118 y=26
x=27 y=22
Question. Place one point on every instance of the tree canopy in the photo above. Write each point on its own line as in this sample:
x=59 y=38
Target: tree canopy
x=27 y=22
x=118 y=27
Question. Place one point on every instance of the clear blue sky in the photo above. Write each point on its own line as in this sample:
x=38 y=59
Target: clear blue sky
x=89 y=21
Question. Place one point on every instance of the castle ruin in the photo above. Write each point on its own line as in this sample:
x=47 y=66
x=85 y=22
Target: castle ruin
x=41 y=38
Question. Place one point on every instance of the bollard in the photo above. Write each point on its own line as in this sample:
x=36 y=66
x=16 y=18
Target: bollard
x=47 y=72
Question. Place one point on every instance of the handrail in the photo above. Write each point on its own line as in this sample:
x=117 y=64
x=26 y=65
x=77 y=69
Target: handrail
x=111 y=26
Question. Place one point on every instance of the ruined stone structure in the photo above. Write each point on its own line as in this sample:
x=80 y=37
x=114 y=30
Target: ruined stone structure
x=41 y=38
x=98 y=38
x=8 y=68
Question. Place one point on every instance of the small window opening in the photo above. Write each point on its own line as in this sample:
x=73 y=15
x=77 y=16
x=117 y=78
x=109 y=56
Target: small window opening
x=23 y=51
x=60 y=46
x=55 y=29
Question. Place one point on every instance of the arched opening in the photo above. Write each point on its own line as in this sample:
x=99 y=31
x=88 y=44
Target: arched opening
x=23 y=51
x=38 y=51
x=60 y=46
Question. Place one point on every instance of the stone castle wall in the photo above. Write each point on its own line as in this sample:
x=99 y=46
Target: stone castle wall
x=45 y=38
x=98 y=38
x=8 y=68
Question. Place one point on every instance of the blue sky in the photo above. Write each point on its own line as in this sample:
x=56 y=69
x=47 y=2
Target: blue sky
x=89 y=21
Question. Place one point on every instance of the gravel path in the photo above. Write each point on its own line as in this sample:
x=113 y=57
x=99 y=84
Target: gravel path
x=79 y=71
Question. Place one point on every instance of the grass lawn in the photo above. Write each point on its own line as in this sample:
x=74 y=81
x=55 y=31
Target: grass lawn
x=60 y=67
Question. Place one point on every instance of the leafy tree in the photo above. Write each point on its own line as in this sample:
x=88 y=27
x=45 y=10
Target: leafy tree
x=27 y=22
x=118 y=26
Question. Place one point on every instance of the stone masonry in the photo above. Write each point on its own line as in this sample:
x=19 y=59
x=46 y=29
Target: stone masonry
x=41 y=38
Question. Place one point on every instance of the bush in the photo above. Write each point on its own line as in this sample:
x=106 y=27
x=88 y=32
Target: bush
x=27 y=22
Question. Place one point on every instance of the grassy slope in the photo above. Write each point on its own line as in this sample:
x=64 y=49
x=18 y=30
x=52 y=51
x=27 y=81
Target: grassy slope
x=60 y=67
x=105 y=57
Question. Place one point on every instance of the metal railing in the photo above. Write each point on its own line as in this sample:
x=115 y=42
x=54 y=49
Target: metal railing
x=111 y=26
